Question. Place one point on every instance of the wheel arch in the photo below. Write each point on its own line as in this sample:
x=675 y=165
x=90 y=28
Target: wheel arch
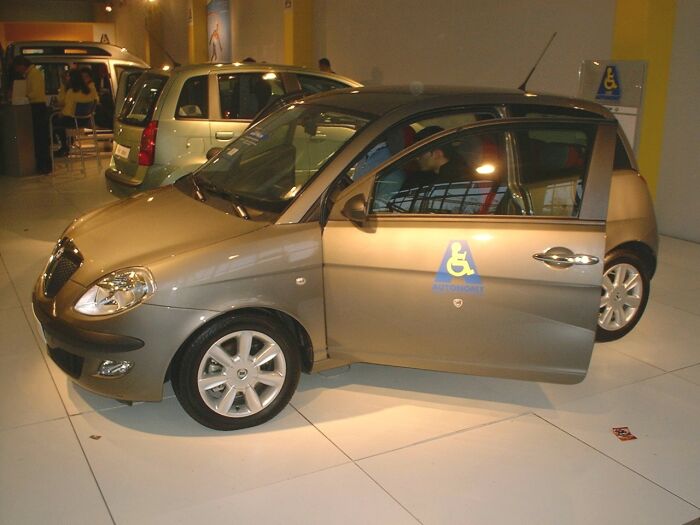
x=296 y=329
x=643 y=250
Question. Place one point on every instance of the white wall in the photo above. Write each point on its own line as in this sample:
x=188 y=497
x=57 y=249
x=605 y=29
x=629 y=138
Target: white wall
x=175 y=36
x=257 y=28
x=677 y=208
x=130 y=26
x=465 y=42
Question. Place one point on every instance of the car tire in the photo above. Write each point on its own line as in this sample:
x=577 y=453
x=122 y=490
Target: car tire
x=239 y=372
x=624 y=294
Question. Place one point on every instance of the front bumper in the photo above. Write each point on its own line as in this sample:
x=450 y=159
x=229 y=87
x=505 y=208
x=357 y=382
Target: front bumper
x=79 y=346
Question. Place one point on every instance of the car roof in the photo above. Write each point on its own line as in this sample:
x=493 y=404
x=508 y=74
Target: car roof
x=259 y=66
x=380 y=100
x=110 y=51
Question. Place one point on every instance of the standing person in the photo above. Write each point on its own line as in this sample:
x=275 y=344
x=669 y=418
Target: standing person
x=77 y=93
x=36 y=93
x=325 y=65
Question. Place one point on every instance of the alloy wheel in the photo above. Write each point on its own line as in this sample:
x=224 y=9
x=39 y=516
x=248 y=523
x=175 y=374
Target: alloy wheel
x=241 y=373
x=621 y=296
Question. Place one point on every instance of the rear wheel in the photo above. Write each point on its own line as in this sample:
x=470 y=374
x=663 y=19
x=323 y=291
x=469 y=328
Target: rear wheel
x=238 y=373
x=624 y=294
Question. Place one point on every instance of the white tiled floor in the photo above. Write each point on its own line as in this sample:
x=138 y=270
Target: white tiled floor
x=370 y=444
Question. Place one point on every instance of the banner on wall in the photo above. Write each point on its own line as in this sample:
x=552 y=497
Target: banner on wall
x=219 y=31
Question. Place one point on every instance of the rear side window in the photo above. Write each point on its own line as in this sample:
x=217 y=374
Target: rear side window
x=622 y=160
x=313 y=84
x=243 y=95
x=141 y=102
x=193 y=100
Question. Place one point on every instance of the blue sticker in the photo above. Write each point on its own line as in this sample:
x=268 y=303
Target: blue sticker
x=609 y=88
x=458 y=271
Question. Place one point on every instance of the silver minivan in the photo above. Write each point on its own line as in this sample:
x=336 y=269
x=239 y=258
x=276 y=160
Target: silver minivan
x=476 y=231
x=171 y=119
x=113 y=69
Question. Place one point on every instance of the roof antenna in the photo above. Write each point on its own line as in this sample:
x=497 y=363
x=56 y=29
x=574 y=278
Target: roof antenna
x=522 y=86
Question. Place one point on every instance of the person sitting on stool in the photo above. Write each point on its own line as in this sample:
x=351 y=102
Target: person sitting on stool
x=77 y=93
x=36 y=93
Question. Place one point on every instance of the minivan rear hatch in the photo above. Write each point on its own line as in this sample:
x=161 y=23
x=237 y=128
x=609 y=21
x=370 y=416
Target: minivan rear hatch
x=134 y=118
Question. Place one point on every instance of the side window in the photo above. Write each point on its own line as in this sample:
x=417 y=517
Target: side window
x=242 y=95
x=551 y=168
x=622 y=160
x=401 y=136
x=466 y=174
x=53 y=72
x=469 y=174
x=313 y=84
x=193 y=100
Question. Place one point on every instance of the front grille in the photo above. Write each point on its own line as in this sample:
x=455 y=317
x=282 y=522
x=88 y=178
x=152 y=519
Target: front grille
x=71 y=364
x=64 y=263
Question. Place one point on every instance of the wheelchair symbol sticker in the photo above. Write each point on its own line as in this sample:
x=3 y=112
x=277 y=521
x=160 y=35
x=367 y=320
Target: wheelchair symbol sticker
x=458 y=271
x=609 y=87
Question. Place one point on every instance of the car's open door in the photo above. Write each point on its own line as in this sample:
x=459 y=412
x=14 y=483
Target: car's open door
x=491 y=264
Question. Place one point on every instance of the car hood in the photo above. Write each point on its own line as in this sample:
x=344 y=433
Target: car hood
x=147 y=228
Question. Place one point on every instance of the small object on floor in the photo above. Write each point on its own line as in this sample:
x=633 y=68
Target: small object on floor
x=95 y=437
x=623 y=433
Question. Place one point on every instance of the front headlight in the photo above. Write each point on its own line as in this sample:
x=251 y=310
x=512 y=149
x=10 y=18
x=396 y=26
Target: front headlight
x=117 y=291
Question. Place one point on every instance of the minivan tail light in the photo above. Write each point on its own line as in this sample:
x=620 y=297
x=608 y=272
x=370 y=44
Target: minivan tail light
x=147 y=150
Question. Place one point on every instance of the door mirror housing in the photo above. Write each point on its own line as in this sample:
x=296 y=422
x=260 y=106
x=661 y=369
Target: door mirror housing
x=355 y=209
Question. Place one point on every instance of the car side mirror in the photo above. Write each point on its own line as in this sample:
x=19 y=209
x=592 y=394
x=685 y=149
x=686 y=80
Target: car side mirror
x=355 y=209
x=213 y=152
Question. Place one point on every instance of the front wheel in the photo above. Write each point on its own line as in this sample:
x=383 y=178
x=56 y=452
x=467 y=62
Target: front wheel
x=238 y=373
x=624 y=294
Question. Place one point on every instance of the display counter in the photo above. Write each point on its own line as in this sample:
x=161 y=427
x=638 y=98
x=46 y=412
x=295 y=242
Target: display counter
x=16 y=141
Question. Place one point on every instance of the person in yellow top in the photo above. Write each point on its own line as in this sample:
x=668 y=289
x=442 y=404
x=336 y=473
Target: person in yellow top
x=36 y=93
x=77 y=99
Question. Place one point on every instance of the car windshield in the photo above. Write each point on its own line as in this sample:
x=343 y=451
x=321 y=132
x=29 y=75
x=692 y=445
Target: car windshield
x=272 y=162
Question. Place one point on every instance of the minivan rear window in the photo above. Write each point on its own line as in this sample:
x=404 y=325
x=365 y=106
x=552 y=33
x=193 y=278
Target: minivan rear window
x=141 y=102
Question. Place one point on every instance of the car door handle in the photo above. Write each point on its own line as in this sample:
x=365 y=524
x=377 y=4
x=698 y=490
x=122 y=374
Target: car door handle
x=224 y=135
x=564 y=258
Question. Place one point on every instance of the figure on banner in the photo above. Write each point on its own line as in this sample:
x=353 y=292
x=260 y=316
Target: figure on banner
x=214 y=39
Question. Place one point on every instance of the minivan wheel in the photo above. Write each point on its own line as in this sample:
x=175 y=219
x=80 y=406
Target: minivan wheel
x=237 y=373
x=624 y=294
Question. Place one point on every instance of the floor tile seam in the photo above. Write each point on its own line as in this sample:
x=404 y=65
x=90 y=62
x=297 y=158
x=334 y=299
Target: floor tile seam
x=675 y=307
x=92 y=472
x=643 y=361
x=351 y=460
x=543 y=418
x=46 y=365
x=26 y=425
x=386 y=491
x=678 y=308
x=685 y=378
x=462 y=430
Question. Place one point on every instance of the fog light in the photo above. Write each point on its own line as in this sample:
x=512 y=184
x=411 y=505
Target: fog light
x=114 y=368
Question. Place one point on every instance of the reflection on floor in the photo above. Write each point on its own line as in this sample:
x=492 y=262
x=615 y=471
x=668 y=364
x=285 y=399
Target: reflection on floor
x=366 y=445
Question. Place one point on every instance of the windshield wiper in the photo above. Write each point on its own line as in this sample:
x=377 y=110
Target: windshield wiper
x=212 y=188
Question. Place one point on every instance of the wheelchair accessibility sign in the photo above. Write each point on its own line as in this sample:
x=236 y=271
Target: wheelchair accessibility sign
x=457 y=271
x=609 y=88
